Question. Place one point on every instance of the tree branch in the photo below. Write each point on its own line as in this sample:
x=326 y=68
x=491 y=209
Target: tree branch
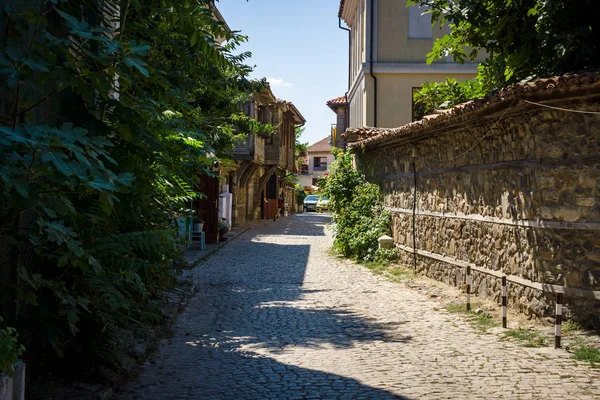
x=23 y=111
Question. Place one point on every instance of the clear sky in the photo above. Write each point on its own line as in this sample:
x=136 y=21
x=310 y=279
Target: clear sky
x=298 y=47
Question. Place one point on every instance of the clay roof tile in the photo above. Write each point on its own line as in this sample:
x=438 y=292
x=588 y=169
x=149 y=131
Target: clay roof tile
x=368 y=136
x=320 y=146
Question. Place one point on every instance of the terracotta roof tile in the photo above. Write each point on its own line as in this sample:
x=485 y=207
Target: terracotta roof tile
x=368 y=136
x=341 y=8
x=338 y=100
x=321 y=146
x=336 y=103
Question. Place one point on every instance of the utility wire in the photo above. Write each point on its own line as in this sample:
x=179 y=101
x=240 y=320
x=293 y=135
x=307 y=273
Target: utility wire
x=562 y=109
x=484 y=136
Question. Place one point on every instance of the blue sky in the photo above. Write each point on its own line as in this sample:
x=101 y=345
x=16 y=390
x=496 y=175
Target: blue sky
x=298 y=46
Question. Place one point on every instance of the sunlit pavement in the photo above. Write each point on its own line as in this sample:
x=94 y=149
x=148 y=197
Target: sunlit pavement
x=277 y=317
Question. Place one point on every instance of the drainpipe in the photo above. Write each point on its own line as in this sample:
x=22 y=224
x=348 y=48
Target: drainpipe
x=349 y=50
x=349 y=70
x=372 y=29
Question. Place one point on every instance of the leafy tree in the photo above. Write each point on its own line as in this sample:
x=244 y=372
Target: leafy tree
x=523 y=39
x=104 y=130
x=440 y=95
x=299 y=147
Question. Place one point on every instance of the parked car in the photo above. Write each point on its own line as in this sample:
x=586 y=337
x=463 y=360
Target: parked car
x=323 y=204
x=310 y=202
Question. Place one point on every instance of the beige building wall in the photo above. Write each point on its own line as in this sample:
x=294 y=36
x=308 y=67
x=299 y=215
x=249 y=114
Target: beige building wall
x=393 y=36
x=402 y=38
x=357 y=99
x=357 y=22
x=395 y=93
x=394 y=44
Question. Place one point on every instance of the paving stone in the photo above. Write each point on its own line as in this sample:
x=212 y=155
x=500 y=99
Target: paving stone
x=276 y=317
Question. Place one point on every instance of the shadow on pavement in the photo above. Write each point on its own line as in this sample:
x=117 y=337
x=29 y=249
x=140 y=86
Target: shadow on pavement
x=313 y=224
x=251 y=300
x=221 y=374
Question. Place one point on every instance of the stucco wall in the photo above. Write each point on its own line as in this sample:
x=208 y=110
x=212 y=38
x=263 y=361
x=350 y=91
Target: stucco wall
x=357 y=99
x=394 y=94
x=513 y=194
x=393 y=44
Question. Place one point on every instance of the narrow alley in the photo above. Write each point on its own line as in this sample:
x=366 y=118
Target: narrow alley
x=276 y=316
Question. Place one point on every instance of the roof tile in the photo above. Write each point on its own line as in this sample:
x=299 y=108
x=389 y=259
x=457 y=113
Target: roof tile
x=369 y=136
x=338 y=100
x=320 y=146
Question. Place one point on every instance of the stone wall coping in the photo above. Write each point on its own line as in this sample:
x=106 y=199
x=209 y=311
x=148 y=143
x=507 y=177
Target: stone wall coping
x=542 y=287
x=563 y=87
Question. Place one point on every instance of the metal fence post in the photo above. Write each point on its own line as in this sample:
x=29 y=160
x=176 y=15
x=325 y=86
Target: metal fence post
x=504 y=322
x=468 y=279
x=558 y=320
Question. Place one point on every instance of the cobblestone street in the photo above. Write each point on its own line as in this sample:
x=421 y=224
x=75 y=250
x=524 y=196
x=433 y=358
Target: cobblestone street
x=277 y=317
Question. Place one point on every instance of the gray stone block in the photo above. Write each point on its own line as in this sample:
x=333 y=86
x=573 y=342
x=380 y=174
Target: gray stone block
x=385 y=242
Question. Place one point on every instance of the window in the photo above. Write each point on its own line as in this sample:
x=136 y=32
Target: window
x=419 y=24
x=418 y=109
x=320 y=164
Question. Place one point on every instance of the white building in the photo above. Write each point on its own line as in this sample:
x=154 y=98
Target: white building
x=320 y=158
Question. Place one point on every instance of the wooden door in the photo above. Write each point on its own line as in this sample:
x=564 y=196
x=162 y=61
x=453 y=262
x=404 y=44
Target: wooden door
x=207 y=208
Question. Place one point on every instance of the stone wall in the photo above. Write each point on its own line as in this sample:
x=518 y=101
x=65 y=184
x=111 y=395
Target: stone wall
x=511 y=192
x=246 y=207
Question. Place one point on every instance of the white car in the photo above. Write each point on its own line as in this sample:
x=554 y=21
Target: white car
x=310 y=202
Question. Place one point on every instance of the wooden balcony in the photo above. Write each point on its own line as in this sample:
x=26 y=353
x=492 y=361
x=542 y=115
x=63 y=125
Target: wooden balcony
x=250 y=149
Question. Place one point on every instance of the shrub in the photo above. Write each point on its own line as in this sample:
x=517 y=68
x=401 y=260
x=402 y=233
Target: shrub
x=387 y=254
x=10 y=350
x=446 y=94
x=357 y=210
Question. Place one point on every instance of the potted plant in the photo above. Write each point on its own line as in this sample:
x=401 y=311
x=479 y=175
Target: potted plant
x=197 y=224
x=10 y=351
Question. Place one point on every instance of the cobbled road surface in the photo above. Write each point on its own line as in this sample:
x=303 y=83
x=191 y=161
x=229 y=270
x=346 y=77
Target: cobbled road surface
x=277 y=317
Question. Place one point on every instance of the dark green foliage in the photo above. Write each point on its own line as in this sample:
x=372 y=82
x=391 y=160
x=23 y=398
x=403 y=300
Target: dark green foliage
x=103 y=134
x=300 y=193
x=589 y=353
x=522 y=39
x=441 y=95
x=300 y=147
x=527 y=337
x=357 y=210
x=10 y=350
